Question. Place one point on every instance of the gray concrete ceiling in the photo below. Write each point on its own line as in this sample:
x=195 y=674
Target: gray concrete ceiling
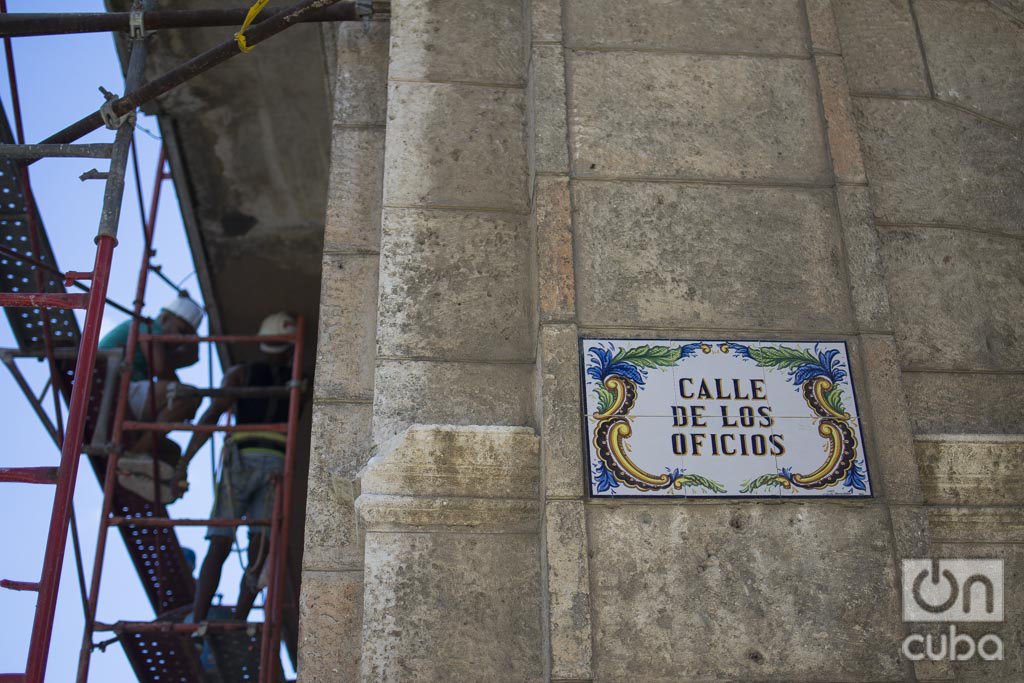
x=249 y=143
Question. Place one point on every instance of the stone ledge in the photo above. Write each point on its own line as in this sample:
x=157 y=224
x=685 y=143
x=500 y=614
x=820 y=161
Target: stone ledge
x=466 y=515
x=463 y=461
x=978 y=470
x=976 y=524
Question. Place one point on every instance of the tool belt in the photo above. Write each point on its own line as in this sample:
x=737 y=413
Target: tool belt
x=243 y=440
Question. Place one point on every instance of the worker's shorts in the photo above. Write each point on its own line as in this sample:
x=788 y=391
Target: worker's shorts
x=246 y=487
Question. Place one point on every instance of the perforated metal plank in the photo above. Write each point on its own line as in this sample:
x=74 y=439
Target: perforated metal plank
x=18 y=275
x=156 y=553
x=237 y=654
x=162 y=657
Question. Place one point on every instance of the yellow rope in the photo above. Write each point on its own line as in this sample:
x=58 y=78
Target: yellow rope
x=249 y=18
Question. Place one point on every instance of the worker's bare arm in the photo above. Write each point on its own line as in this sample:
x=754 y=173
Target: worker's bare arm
x=234 y=377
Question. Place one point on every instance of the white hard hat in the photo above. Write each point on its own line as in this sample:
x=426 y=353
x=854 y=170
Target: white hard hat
x=276 y=324
x=186 y=309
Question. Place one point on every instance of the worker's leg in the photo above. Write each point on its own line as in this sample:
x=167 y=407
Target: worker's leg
x=209 y=576
x=249 y=587
x=263 y=468
x=226 y=505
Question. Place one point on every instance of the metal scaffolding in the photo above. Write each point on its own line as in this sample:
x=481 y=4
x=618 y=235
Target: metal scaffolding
x=94 y=383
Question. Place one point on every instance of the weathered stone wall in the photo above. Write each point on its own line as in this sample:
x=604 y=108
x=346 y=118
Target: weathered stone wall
x=938 y=96
x=717 y=190
x=938 y=92
x=746 y=169
x=782 y=170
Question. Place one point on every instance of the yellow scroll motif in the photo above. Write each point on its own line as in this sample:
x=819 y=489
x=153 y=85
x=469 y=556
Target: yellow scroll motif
x=617 y=385
x=835 y=452
x=619 y=432
x=820 y=387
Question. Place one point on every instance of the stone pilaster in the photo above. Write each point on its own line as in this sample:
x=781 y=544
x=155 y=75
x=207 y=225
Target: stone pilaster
x=452 y=562
x=569 y=654
x=455 y=337
x=331 y=601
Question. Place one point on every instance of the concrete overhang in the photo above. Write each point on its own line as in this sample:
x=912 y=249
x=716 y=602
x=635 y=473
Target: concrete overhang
x=249 y=144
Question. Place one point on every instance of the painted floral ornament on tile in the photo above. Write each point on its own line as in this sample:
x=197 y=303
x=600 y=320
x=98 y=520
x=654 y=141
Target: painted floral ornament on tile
x=721 y=418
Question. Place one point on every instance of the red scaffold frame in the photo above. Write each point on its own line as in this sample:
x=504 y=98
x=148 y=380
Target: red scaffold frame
x=121 y=117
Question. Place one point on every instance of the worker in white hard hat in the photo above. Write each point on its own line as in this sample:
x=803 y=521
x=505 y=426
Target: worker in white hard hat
x=251 y=464
x=155 y=364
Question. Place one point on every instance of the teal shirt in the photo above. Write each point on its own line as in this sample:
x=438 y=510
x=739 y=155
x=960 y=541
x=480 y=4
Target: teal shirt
x=117 y=338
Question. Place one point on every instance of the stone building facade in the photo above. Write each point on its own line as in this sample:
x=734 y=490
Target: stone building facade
x=510 y=175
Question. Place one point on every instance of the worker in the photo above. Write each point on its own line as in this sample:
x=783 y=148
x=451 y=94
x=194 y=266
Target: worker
x=156 y=364
x=251 y=465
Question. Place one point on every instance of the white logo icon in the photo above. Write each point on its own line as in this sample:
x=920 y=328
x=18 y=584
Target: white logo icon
x=952 y=590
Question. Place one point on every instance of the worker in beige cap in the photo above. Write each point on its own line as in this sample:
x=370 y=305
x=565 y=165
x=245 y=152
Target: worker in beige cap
x=251 y=464
x=156 y=364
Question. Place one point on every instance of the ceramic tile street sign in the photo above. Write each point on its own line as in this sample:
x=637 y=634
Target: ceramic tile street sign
x=691 y=418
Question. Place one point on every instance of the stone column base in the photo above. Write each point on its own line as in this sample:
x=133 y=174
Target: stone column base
x=452 y=557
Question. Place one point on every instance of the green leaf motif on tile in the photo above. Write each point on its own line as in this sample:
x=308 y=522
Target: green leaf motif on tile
x=649 y=356
x=605 y=398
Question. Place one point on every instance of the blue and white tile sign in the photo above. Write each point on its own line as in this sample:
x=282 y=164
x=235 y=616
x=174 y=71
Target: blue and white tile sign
x=691 y=418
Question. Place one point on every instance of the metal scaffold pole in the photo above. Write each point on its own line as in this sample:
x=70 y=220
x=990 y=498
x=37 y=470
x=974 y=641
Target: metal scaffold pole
x=137 y=96
x=25 y=24
x=134 y=516
x=53 y=559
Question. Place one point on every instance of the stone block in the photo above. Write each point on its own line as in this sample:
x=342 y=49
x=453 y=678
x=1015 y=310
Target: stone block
x=880 y=47
x=569 y=590
x=844 y=144
x=447 y=460
x=864 y=260
x=556 y=280
x=956 y=298
x=547 y=92
x=975 y=57
x=411 y=392
x=1013 y=8
x=452 y=607
x=930 y=163
x=824 y=33
x=330 y=626
x=642 y=114
x=911 y=531
x=456 y=145
x=477 y=41
x=968 y=403
x=703 y=590
x=889 y=422
x=340 y=446
x=752 y=26
x=971 y=470
x=546 y=19
x=354 y=189
x=360 y=88
x=455 y=285
x=348 y=326
x=652 y=255
x=1010 y=630
x=561 y=436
